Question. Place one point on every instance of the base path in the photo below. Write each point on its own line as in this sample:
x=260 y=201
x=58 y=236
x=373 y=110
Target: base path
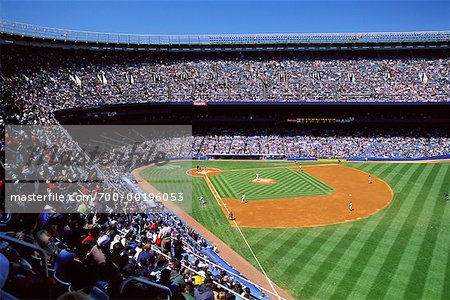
x=228 y=254
x=349 y=185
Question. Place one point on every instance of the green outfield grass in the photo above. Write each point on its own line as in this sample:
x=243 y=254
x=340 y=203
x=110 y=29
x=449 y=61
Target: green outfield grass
x=401 y=252
x=289 y=184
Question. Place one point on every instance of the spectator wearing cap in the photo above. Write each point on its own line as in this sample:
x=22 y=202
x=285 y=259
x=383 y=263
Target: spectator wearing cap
x=115 y=241
x=63 y=260
x=188 y=291
x=175 y=275
x=113 y=229
x=120 y=227
x=205 y=290
x=166 y=281
x=222 y=295
x=118 y=256
x=47 y=237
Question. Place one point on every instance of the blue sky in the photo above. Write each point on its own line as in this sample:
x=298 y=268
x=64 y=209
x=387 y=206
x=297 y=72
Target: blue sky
x=196 y=17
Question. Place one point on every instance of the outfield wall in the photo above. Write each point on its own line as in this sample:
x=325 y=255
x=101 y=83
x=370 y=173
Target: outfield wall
x=320 y=159
x=447 y=156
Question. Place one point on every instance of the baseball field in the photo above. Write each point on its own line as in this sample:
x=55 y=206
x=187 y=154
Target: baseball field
x=394 y=244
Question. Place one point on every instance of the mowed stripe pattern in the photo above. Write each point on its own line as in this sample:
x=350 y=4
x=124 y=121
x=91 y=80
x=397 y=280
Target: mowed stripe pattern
x=401 y=252
x=289 y=184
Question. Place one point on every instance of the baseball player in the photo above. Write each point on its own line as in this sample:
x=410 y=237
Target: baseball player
x=350 y=206
x=446 y=196
x=300 y=167
x=257 y=176
x=369 y=179
x=202 y=201
x=243 y=199
x=230 y=216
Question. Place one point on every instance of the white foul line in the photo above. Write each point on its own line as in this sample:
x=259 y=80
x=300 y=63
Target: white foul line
x=213 y=190
x=216 y=195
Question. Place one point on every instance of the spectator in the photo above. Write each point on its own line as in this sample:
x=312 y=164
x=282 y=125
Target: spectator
x=204 y=291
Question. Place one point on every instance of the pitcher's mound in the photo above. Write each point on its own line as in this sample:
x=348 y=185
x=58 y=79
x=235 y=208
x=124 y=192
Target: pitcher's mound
x=263 y=181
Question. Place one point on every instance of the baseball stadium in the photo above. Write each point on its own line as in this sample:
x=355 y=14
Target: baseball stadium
x=276 y=166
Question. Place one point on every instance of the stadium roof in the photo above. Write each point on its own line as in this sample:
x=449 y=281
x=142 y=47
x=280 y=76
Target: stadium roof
x=90 y=36
x=224 y=42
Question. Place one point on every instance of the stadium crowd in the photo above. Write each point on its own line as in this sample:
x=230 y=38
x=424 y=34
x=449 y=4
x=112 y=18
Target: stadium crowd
x=325 y=143
x=95 y=254
x=97 y=249
x=44 y=159
x=59 y=79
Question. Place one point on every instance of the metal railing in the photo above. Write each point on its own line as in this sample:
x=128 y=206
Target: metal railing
x=155 y=285
x=38 y=250
x=155 y=249
x=42 y=32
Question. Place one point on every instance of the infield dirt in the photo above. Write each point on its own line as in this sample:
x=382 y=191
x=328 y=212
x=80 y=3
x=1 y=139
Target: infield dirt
x=350 y=185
